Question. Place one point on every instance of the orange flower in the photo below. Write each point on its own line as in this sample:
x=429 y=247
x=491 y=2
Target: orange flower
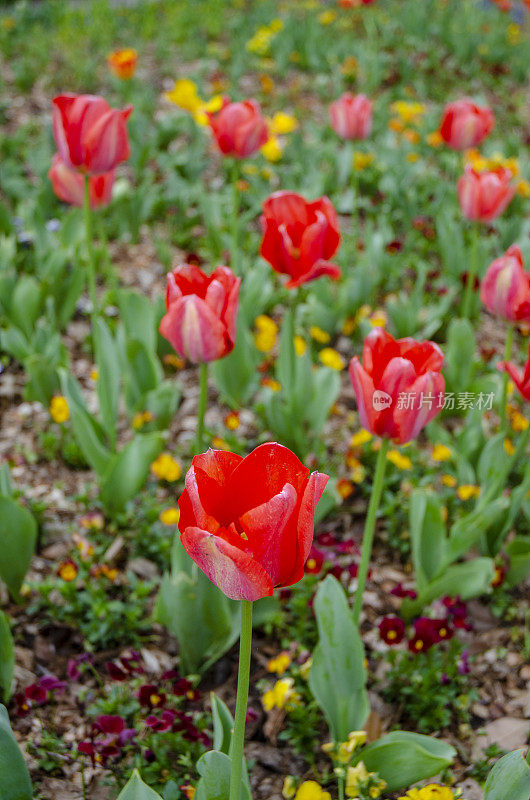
x=122 y=63
x=68 y=571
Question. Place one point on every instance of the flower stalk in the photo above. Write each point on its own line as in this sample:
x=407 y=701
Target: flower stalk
x=243 y=677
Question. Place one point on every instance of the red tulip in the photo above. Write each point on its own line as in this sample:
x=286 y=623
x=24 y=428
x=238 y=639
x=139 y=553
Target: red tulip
x=351 y=116
x=299 y=237
x=201 y=317
x=521 y=381
x=483 y=196
x=239 y=129
x=69 y=185
x=398 y=387
x=465 y=124
x=248 y=522
x=505 y=288
x=89 y=134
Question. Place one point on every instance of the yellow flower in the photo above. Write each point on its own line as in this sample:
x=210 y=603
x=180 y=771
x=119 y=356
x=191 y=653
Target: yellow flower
x=214 y=104
x=330 y=358
x=299 y=345
x=449 y=480
x=413 y=157
x=508 y=446
x=408 y=111
x=141 y=419
x=513 y=33
x=170 y=516
x=441 y=453
x=354 y=777
x=349 y=66
x=396 y=125
x=320 y=336
x=349 y=326
x=184 y=95
x=523 y=188
x=411 y=136
x=282 y=123
x=271 y=384
x=360 y=438
x=279 y=664
x=259 y=44
x=166 y=468
x=272 y=149
x=399 y=460
x=434 y=139
x=67 y=571
x=220 y=444
x=306 y=666
x=8 y=23
x=281 y=695
x=94 y=374
x=267 y=331
x=327 y=17
x=311 y=790
x=344 y=488
x=276 y=25
x=59 y=410
x=518 y=421
x=467 y=491
x=267 y=84
x=289 y=787
x=431 y=792
x=378 y=319
x=362 y=160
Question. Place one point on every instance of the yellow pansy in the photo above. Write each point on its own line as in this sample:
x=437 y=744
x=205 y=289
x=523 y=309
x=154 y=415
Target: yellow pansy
x=441 y=452
x=399 y=460
x=320 y=336
x=272 y=149
x=513 y=33
x=214 y=104
x=330 y=358
x=279 y=664
x=408 y=111
x=434 y=139
x=281 y=695
x=59 y=410
x=311 y=790
x=467 y=491
x=523 y=188
x=355 y=776
x=140 y=419
x=449 y=480
x=289 y=787
x=327 y=17
x=509 y=447
x=271 y=384
x=94 y=374
x=170 y=516
x=518 y=421
x=299 y=345
x=431 y=792
x=184 y=95
x=378 y=319
x=362 y=160
x=166 y=468
x=267 y=332
x=282 y=123
x=360 y=438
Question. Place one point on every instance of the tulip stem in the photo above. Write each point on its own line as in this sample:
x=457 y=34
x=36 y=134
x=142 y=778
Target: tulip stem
x=471 y=273
x=369 y=529
x=238 y=736
x=507 y=355
x=234 y=261
x=90 y=253
x=201 y=409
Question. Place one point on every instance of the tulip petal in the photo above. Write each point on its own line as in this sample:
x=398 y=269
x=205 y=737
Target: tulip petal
x=194 y=331
x=203 y=499
x=265 y=526
x=408 y=422
x=234 y=571
x=306 y=516
x=363 y=387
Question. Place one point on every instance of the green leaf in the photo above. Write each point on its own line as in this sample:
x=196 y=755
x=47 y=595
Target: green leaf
x=136 y=789
x=337 y=677
x=509 y=779
x=88 y=432
x=285 y=363
x=223 y=724
x=518 y=552
x=466 y=532
x=468 y=579
x=138 y=315
x=108 y=382
x=128 y=470
x=428 y=536
x=202 y=619
x=214 y=784
x=402 y=758
x=459 y=355
x=26 y=304
x=7 y=657
x=236 y=376
x=15 y=783
x=18 y=534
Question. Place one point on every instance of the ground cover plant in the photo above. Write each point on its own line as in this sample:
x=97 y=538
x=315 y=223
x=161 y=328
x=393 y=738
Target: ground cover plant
x=264 y=386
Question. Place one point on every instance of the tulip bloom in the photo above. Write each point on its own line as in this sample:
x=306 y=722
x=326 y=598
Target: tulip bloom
x=522 y=381
x=465 y=124
x=351 y=116
x=90 y=135
x=398 y=386
x=299 y=237
x=239 y=129
x=483 y=196
x=201 y=317
x=123 y=63
x=68 y=185
x=248 y=522
x=505 y=288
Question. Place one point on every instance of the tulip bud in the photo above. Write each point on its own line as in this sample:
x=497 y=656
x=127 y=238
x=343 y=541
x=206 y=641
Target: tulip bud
x=505 y=288
x=465 y=124
x=483 y=196
x=351 y=116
